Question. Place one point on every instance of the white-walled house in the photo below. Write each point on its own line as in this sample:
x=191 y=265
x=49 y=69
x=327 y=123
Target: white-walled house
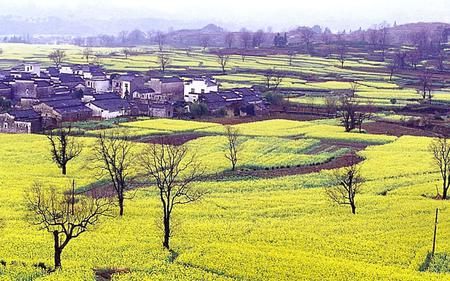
x=110 y=108
x=198 y=86
x=99 y=84
x=33 y=68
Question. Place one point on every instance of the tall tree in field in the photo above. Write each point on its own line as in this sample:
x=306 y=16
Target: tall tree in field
x=222 y=59
x=347 y=111
x=233 y=145
x=440 y=148
x=113 y=158
x=347 y=184
x=246 y=38
x=204 y=42
x=272 y=79
x=173 y=170
x=291 y=56
x=63 y=147
x=229 y=39
x=342 y=52
x=88 y=53
x=126 y=52
x=426 y=84
x=65 y=215
x=160 y=39
x=163 y=61
x=57 y=56
x=258 y=38
x=307 y=35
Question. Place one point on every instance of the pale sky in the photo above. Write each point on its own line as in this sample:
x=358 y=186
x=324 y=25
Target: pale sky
x=279 y=14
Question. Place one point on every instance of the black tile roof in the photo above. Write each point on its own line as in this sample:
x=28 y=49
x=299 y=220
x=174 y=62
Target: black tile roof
x=25 y=114
x=112 y=104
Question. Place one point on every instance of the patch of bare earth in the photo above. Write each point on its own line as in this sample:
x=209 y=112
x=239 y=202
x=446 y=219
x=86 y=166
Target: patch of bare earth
x=386 y=128
x=105 y=274
x=175 y=139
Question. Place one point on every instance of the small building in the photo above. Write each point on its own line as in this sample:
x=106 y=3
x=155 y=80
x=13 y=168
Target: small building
x=110 y=108
x=161 y=110
x=33 y=67
x=99 y=84
x=126 y=84
x=170 y=88
x=5 y=91
x=199 y=86
x=63 y=110
x=145 y=93
x=25 y=121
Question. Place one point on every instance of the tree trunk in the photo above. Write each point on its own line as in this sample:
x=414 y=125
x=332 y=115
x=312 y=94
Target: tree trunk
x=58 y=250
x=64 y=169
x=444 y=192
x=121 y=205
x=166 y=232
x=353 y=208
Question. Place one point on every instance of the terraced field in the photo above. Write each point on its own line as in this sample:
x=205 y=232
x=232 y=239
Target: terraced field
x=281 y=228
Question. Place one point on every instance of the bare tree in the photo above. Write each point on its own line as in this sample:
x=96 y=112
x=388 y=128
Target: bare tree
x=426 y=84
x=331 y=104
x=88 y=53
x=342 y=50
x=273 y=79
x=63 y=147
x=160 y=39
x=307 y=35
x=348 y=182
x=57 y=56
x=164 y=61
x=204 y=42
x=258 y=38
x=354 y=86
x=440 y=148
x=233 y=145
x=246 y=38
x=440 y=59
x=126 y=52
x=347 y=112
x=383 y=41
x=412 y=56
x=392 y=66
x=291 y=56
x=65 y=215
x=361 y=117
x=173 y=170
x=229 y=39
x=222 y=59
x=113 y=157
x=123 y=35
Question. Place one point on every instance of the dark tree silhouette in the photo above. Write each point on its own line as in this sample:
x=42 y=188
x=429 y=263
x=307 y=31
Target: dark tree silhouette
x=222 y=59
x=347 y=184
x=229 y=40
x=173 y=170
x=233 y=145
x=65 y=215
x=113 y=158
x=440 y=148
x=163 y=61
x=57 y=56
x=63 y=147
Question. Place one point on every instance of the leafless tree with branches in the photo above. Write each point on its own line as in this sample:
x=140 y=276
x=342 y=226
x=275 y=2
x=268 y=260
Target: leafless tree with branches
x=233 y=145
x=57 y=56
x=65 y=215
x=113 y=158
x=63 y=147
x=229 y=39
x=223 y=59
x=440 y=148
x=272 y=79
x=160 y=39
x=88 y=53
x=163 y=61
x=173 y=170
x=347 y=184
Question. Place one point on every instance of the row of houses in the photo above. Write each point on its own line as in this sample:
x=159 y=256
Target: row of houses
x=48 y=97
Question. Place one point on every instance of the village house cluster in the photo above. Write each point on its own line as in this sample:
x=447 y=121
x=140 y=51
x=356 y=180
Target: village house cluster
x=44 y=98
